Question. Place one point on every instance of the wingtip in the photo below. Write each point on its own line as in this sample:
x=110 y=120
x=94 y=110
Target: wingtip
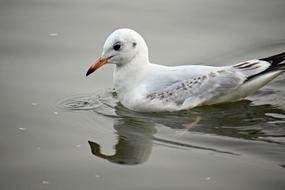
x=275 y=59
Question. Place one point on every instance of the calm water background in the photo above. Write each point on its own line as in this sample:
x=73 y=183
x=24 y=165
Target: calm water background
x=61 y=130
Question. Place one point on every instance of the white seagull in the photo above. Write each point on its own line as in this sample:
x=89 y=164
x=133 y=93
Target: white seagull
x=147 y=87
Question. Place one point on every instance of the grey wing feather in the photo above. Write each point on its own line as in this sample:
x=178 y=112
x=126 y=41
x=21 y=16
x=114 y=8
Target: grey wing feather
x=223 y=84
x=203 y=88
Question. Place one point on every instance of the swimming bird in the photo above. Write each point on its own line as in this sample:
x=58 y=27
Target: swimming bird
x=147 y=87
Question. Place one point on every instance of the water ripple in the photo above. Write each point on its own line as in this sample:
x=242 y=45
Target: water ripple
x=89 y=101
x=241 y=119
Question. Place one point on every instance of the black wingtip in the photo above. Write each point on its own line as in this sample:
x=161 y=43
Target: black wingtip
x=275 y=59
x=277 y=63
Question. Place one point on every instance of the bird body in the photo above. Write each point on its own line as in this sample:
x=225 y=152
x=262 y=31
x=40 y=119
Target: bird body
x=148 y=87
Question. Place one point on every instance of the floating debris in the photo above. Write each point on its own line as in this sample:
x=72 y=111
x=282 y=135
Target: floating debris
x=53 y=34
x=55 y=113
x=98 y=176
x=208 y=178
x=78 y=146
x=34 y=104
x=22 y=129
x=45 y=182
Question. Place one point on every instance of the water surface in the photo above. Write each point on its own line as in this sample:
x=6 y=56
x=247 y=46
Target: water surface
x=61 y=130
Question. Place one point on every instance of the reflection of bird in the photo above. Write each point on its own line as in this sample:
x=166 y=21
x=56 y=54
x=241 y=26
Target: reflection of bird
x=134 y=142
x=240 y=119
x=136 y=139
x=144 y=86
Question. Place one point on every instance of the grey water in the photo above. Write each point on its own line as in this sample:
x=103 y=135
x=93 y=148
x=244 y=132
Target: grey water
x=61 y=130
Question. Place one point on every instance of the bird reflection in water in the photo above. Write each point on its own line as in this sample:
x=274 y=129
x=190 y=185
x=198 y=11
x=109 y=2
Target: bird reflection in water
x=136 y=132
x=134 y=142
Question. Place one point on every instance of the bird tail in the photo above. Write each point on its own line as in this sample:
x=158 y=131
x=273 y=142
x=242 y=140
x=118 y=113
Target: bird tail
x=277 y=62
x=260 y=72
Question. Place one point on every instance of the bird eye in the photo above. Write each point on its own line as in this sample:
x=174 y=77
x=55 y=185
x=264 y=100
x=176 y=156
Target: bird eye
x=117 y=46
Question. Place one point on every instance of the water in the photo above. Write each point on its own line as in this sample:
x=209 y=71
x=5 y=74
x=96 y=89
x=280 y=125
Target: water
x=61 y=130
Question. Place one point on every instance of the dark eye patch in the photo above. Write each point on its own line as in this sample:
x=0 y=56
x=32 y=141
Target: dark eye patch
x=134 y=44
x=117 y=46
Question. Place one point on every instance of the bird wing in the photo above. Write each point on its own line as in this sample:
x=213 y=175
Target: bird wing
x=251 y=68
x=202 y=88
x=210 y=85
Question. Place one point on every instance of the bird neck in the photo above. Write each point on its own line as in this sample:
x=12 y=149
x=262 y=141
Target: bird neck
x=128 y=75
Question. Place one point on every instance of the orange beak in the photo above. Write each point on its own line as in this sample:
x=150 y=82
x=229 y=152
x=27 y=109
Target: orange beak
x=98 y=64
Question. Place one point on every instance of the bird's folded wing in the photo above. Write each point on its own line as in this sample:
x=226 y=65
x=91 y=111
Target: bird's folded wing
x=203 y=88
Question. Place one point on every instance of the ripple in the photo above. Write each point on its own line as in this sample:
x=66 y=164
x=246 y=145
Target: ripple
x=243 y=119
x=89 y=102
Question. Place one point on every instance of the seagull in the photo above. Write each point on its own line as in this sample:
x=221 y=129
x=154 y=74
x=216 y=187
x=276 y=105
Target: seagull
x=146 y=87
